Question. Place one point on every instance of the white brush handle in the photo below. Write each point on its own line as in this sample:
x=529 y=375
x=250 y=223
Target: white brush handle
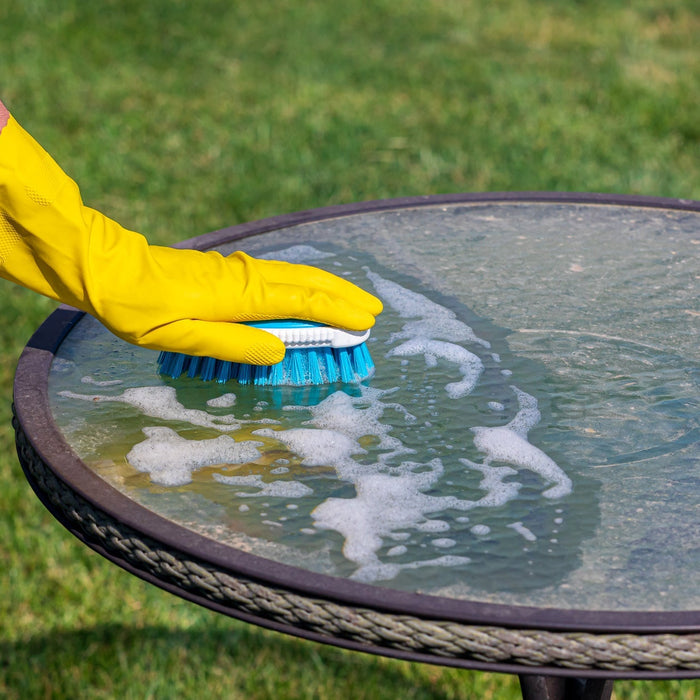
x=318 y=337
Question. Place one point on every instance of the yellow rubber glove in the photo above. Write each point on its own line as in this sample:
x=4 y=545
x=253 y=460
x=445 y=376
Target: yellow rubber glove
x=156 y=297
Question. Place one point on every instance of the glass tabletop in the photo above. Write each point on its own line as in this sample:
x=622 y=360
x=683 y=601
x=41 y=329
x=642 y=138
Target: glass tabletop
x=530 y=435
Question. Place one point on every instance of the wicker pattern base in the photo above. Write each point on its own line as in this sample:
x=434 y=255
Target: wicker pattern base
x=400 y=635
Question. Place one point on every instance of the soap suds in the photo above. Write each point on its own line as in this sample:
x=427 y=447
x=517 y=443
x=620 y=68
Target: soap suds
x=433 y=321
x=480 y=530
x=273 y=489
x=223 y=401
x=170 y=459
x=384 y=504
x=469 y=364
x=509 y=444
x=522 y=530
x=297 y=254
x=95 y=382
x=161 y=402
x=389 y=507
x=317 y=448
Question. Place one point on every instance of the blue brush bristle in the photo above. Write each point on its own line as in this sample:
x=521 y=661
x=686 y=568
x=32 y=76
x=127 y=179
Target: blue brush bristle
x=300 y=367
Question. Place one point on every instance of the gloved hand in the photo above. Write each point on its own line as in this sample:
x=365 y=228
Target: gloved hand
x=162 y=298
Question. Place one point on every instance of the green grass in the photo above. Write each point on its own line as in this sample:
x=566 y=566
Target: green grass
x=178 y=118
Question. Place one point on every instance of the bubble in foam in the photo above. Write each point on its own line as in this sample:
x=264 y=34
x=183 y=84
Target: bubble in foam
x=170 y=459
x=397 y=551
x=433 y=526
x=480 y=530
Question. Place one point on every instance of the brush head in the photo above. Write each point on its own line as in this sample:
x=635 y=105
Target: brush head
x=316 y=354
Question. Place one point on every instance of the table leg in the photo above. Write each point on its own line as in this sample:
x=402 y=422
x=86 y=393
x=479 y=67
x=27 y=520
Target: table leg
x=555 y=688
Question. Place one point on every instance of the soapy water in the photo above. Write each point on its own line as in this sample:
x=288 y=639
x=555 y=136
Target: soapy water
x=399 y=471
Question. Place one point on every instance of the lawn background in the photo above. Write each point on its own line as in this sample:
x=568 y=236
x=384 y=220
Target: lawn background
x=178 y=118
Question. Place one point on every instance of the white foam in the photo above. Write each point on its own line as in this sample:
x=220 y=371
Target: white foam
x=170 y=459
x=524 y=531
x=469 y=364
x=509 y=444
x=377 y=571
x=107 y=382
x=503 y=445
x=61 y=365
x=223 y=401
x=297 y=254
x=357 y=417
x=161 y=402
x=528 y=415
x=383 y=505
x=432 y=320
x=399 y=536
x=317 y=448
x=397 y=551
x=498 y=491
x=273 y=489
x=433 y=526
x=480 y=530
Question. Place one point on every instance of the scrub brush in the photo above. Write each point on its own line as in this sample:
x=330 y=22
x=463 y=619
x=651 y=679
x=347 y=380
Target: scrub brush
x=316 y=354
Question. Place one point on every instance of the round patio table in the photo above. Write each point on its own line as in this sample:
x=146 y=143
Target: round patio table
x=514 y=490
